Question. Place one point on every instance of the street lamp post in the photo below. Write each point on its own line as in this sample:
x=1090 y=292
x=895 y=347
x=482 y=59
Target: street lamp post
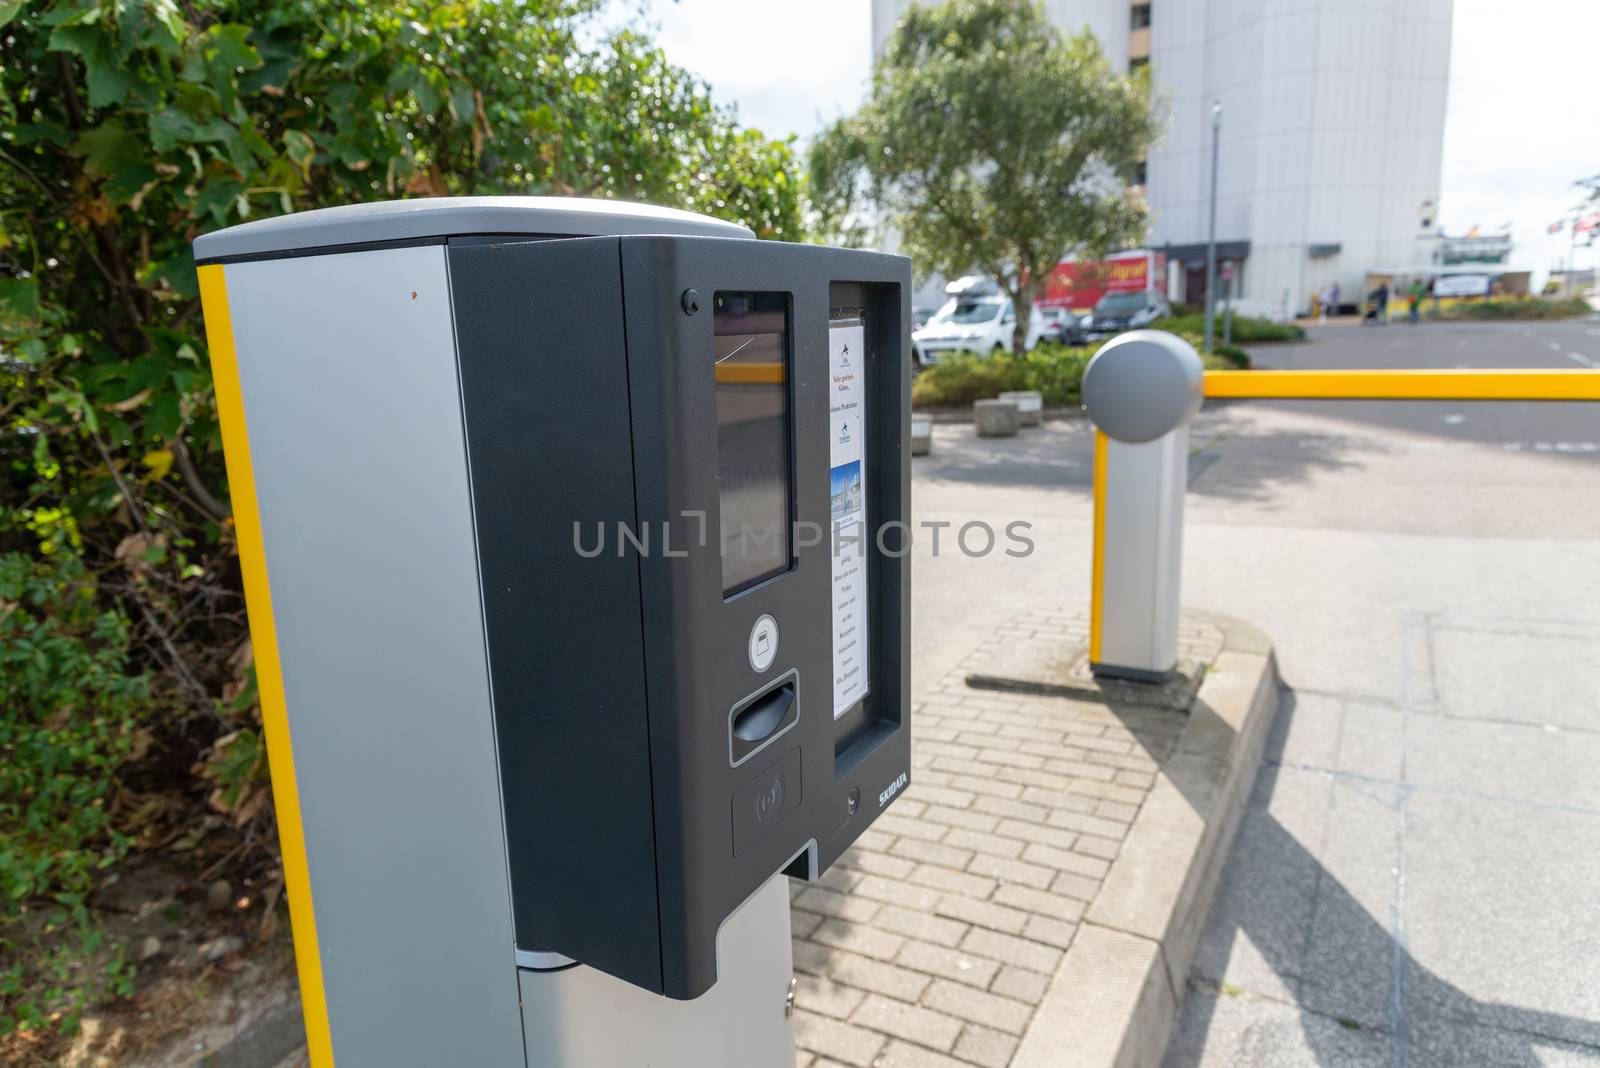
x=1211 y=242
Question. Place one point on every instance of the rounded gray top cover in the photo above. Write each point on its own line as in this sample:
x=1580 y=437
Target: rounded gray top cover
x=1142 y=384
x=438 y=217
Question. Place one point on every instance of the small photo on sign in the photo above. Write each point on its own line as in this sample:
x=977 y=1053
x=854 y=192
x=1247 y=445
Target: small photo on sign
x=844 y=488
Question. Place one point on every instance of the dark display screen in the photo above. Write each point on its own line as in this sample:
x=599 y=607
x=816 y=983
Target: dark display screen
x=752 y=374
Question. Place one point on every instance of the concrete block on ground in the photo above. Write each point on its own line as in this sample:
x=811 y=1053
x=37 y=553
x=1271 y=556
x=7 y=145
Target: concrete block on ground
x=995 y=418
x=1030 y=405
x=921 y=435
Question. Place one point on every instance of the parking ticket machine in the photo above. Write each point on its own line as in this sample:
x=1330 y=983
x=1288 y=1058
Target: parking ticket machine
x=574 y=540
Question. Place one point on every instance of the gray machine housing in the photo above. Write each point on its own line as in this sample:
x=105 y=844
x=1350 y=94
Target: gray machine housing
x=586 y=382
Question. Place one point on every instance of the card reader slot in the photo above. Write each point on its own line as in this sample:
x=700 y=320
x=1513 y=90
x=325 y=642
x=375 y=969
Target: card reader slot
x=759 y=719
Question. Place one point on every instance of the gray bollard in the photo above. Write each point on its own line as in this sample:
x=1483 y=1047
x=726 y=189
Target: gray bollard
x=1141 y=390
x=995 y=418
x=921 y=435
x=1030 y=405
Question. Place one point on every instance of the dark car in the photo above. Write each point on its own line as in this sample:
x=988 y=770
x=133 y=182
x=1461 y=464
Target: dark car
x=1116 y=312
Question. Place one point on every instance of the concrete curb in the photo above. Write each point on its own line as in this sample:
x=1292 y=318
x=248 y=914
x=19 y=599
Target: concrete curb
x=1118 y=990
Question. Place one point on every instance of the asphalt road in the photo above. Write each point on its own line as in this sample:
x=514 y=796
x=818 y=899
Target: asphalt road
x=1416 y=879
x=1569 y=344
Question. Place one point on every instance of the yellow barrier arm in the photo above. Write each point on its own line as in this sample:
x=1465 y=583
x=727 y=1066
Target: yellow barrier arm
x=1539 y=384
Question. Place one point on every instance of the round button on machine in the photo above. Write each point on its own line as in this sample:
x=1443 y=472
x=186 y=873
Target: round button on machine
x=763 y=643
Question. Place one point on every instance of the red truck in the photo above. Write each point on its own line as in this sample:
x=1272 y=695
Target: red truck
x=1079 y=286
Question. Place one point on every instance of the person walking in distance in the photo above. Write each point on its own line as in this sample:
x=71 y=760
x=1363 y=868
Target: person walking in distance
x=1380 y=303
x=1414 y=297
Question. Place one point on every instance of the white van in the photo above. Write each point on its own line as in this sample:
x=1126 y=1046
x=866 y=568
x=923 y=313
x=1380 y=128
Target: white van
x=977 y=318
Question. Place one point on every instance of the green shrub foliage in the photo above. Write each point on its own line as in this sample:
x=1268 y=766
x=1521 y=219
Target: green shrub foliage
x=1055 y=371
x=127 y=127
x=1569 y=308
x=71 y=718
x=1246 y=330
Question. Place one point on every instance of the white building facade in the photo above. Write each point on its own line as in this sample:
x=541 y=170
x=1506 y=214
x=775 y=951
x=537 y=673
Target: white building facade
x=1332 y=134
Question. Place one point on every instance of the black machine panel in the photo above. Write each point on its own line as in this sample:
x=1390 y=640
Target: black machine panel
x=653 y=431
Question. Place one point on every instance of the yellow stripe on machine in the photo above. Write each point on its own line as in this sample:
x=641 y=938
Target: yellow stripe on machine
x=1539 y=384
x=269 y=673
x=1097 y=585
x=749 y=374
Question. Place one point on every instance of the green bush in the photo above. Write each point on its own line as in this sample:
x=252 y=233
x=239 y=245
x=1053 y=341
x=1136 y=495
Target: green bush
x=1224 y=357
x=959 y=378
x=1568 y=308
x=1055 y=371
x=1247 y=329
x=127 y=127
x=70 y=715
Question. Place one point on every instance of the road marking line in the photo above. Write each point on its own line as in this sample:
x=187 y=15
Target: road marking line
x=1579 y=357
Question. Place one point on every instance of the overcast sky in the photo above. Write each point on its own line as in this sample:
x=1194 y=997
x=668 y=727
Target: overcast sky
x=1522 y=123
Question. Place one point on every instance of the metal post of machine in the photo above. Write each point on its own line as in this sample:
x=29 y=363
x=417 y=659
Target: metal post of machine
x=1211 y=238
x=561 y=676
x=1141 y=390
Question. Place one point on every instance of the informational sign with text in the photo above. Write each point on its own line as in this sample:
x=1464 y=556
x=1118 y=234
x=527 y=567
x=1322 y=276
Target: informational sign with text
x=847 y=489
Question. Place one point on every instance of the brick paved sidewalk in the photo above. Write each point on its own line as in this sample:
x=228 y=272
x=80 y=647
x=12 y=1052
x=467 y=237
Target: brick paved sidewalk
x=932 y=941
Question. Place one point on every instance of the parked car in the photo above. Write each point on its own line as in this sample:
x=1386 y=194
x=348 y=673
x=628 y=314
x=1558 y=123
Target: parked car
x=920 y=317
x=980 y=322
x=1060 y=327
x=1116 y=312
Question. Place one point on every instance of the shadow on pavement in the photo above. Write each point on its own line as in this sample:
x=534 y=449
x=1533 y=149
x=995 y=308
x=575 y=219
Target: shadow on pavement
x=1261 y=459
x=1367 y=1000
x=1060 y=455
x=1057 y=455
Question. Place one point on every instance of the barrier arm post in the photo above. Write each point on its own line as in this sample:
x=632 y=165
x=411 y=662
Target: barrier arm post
x=1141 y=390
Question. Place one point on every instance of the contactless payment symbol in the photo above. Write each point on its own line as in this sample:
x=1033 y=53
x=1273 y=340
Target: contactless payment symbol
x=770 y=799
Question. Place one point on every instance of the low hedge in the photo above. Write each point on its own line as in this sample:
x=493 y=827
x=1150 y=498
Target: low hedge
x=1055 y=371
x=1247 y=329
x=1567 y=308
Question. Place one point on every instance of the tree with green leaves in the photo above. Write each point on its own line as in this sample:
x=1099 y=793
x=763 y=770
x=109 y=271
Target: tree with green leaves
x=127 y=127
x=989 y=141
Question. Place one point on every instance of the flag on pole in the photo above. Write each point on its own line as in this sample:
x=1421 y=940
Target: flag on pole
x=1557 y=226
